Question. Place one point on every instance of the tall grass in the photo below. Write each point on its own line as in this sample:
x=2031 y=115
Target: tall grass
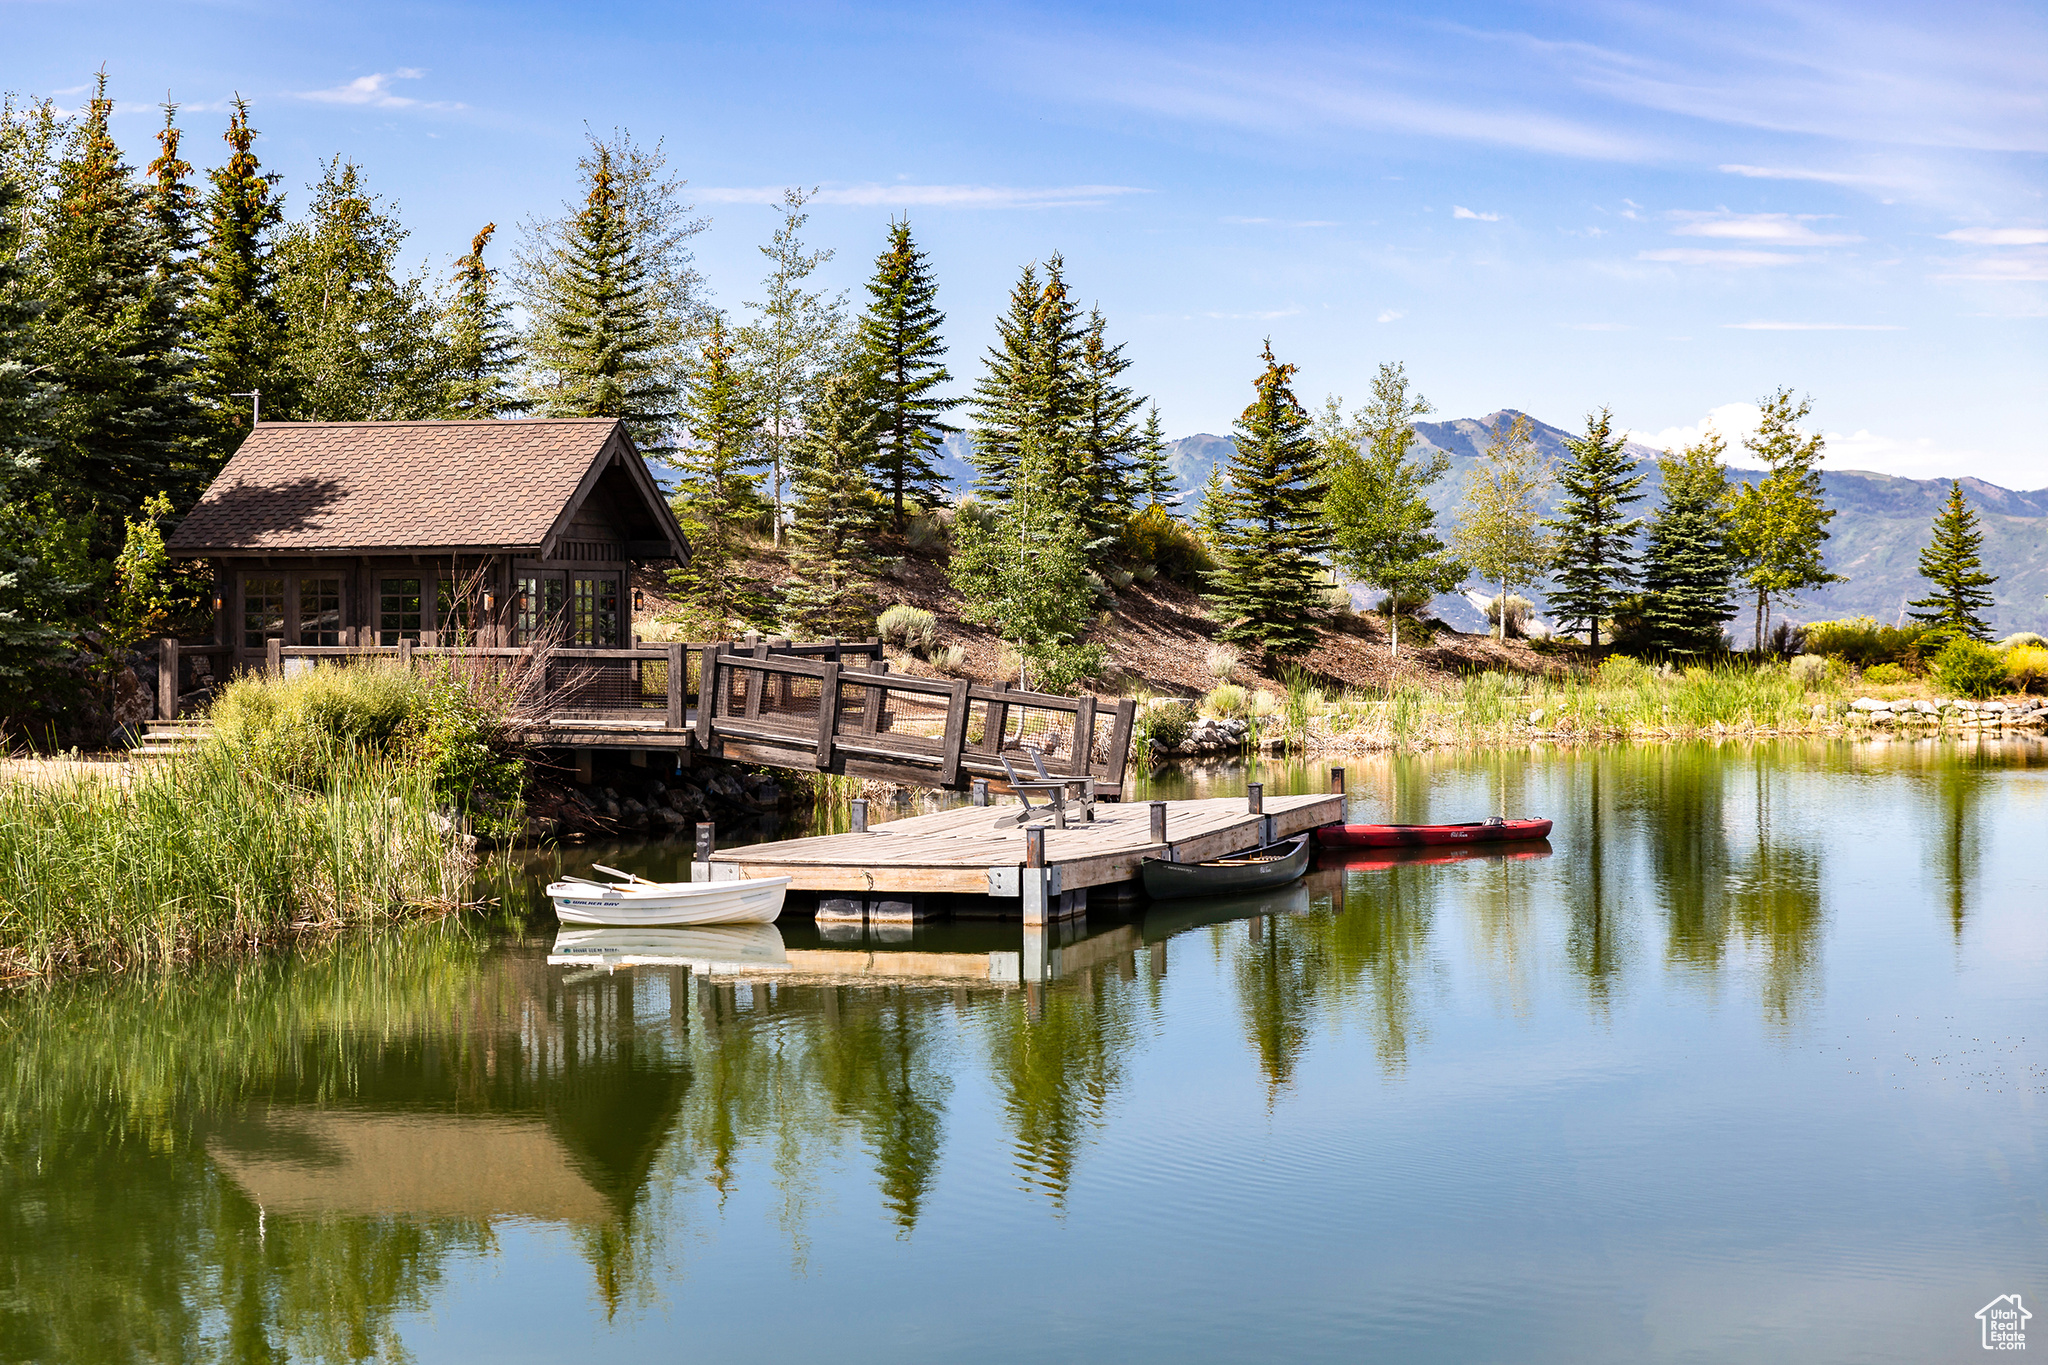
x=207 y=850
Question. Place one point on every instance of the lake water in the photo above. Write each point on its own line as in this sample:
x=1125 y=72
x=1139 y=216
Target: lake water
x=1747 y=1064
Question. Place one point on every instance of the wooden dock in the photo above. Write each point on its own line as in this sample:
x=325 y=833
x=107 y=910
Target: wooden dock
x=970 y=851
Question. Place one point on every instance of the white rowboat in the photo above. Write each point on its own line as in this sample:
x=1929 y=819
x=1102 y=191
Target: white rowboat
x=713 y=949
x=753 y=900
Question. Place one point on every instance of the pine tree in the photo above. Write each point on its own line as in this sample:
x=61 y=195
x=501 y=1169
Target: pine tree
x=174 y=206
x=360 y=341
x=720 y=489
x=1778 y=525
x=1267 y=578
x=1686 y=562
x=110 y=338
x=1152 y=478
x=1106 y=437
x=1952 y=564
x=900 y=346
x=612 y=293
x=1595 y=559
x=999 y=406
x=792 y=344
x=238 y=329
x=1499 y=532
x=837 y=513
x=1213 y=516
x=481 y=351
x=1381 y=524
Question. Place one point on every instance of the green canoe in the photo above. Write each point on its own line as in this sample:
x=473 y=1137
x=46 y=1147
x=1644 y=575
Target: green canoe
x=1259 y=870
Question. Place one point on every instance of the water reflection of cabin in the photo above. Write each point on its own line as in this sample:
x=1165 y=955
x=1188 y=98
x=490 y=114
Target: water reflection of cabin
x=433 y=533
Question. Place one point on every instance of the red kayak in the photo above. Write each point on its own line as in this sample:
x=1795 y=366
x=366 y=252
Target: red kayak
x=1410 y=836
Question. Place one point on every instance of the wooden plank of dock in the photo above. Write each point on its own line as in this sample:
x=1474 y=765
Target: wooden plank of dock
x=962 y=852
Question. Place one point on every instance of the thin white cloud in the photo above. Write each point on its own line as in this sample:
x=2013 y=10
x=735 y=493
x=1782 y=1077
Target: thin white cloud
x=1813 y=326
x=374 y=91
x=1762 y=229
x=1598 y=326
x=1460 y=211
x=2008 y=268
x=1725 y=260
x=874 y=195
x=1795 y=173
x=1999 y=236
x=1391 y=315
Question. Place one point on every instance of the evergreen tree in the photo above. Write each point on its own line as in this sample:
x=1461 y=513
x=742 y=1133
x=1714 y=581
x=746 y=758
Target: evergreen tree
x=720 y=491
x=1952 y=564
x=999 y=406
x=900 y=346
x=481 y=351
x=1106 y=438
x=109 y=337
x=1031 y=388
x=360 y=341
x=238 y=329
x=1499 y=532
x=1778 y=524
x=1024 y=573
x=1595 y=558
x=837 y=513
x=1213 y=516
x=1267 y=579
x=1686 y=562
x=792 y=344
x=1153 y=477
x=612 y=292
x=174 y=206
x=1381 y=524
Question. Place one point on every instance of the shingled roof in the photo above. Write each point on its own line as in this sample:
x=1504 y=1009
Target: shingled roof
x=359 y=487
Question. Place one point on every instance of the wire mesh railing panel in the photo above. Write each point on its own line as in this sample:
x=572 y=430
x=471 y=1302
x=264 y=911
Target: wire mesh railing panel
x=787 y=700
x=1049 y=731
x=592 y=685
x=920 y=714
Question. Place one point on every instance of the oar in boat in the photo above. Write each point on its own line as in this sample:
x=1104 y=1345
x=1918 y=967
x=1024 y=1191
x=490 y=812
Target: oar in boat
x=629 y=876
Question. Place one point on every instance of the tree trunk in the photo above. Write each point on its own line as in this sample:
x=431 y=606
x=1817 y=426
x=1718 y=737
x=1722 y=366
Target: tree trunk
x=1502 y=611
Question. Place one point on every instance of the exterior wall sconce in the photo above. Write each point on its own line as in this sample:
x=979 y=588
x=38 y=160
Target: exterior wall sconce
x=217 y=604
x=639 y=601
x=490 y=603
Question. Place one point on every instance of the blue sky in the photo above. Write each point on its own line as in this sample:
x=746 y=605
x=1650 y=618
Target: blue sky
x=1669 y=210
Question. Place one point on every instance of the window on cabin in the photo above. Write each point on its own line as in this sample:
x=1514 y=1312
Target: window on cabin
x=538 y=612
x=594 y=612
x=319 y=610
x=262 y=611
x=398 y=610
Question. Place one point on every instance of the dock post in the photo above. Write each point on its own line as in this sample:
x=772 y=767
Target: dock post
x=860 y=814
x=1336 y=781
x=167 y=679
x=979 y=790
x=1158 y=822
x=1255 y=797
x=1040 y=884
x=707 y=844
x=273 y=659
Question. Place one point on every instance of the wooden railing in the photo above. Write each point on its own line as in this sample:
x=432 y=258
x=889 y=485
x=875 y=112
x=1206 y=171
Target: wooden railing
x=831 y=706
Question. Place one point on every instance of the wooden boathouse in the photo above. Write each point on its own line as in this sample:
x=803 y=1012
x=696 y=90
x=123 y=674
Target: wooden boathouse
x=511 y=544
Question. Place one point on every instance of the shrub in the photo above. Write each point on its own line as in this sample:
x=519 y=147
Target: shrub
x=1225 y=700
x=1337 y=600
x=1146 y=572
x=1154 y=536
x=1883 y=675
x=925 y=534
x=1814 y=670
x=950 y=660
x=1969 y=667
x=1222 y=661
x=2021 y=638
x=1162 y=728
x=2026 y=665
x=973 y=512
x=1519 y=608
x=1622 y=671
x=1860 y=641
x=1060 y=669
x=908 y=627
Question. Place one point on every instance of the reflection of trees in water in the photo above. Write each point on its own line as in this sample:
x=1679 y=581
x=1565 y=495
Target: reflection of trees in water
x=1597 y=938
x=877 y=1066
x=1360 y=948
x=1680 y=802
x=1058 y=1072
x=1960 y=776
x=1774 y=901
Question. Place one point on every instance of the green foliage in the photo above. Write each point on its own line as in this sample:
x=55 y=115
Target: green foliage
x=1777 y=526
x=901 y=347
x=1860 y=641
x=1969 y=667
x=482 y=351
x=1382 y=528
x=1267 y=575
x=1954 y=568
x=151 y=591
x=2021 y=637
x=1227 y=700
x=611 y=291
x=1161 y=728
x=1594 y=563
x=1106 y=438
x=719 y=491
x=1886 y=675
x=790 y=347
x=2026 y=666
x=1499 y=532
x=1152 y=478
x=1154 y=536
x=1686 y=562
x=837 y=515
x=908 y=628
x=237 y=323
x=1026 y=389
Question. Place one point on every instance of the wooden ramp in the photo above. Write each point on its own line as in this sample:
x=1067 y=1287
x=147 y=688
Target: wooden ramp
x=964 y=852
